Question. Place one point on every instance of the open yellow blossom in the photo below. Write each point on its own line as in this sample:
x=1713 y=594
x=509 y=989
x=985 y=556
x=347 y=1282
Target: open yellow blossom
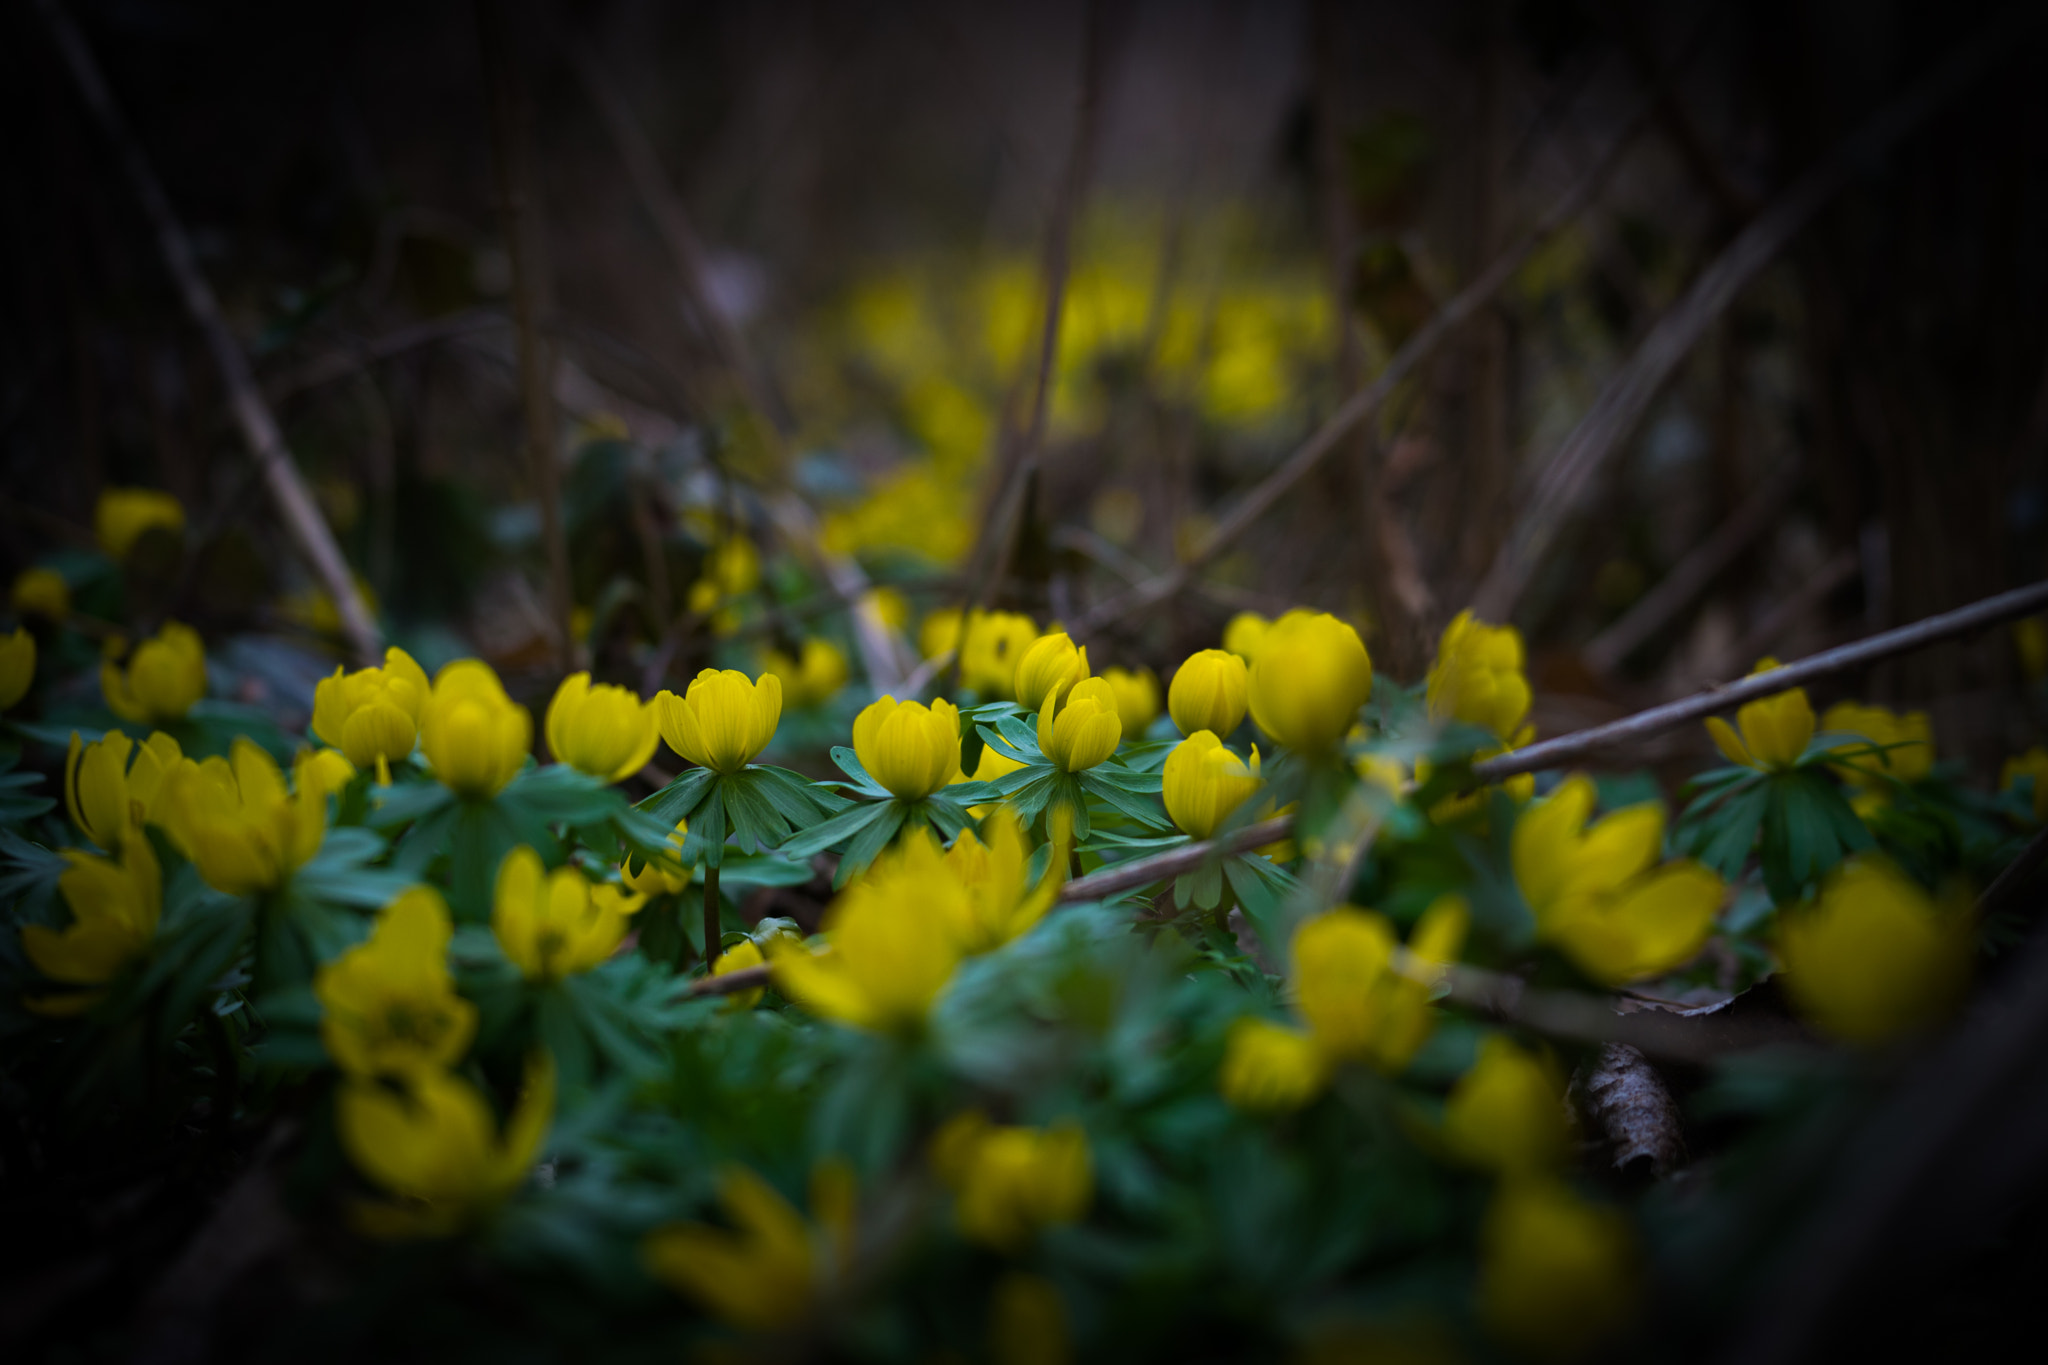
x=1357 y=1006
x=1875 y=958
x=373 y=714
x=1009 y=1183
x=996 y=641
x=1598 y=892
x=1477 y=678
x=124 y=515
x=1507 y=1113
x=17 y=665
x=2033 y=766
x=601 y=729
x=651 y=878
x=237 y=822
x=723 y=720
x=1209 y=692
x=1244 y=634
x=475 y=737
x=1204 y=783
x=1557 y=1275
x=115 y=904
x=1048 y=669
x=106 y=794
x=1137 y=697
x=1001 y=903
x=911 y=749
x=1269 y=1068
x=1310 y=677
x=891 y=944
x=160 y=679
x=813 y=677
x=1912 y=734
x=1775 y=729
x=556 y=924
x=769 y=1269
x=1082 y=731
x=389 y=1003
x=41 y=593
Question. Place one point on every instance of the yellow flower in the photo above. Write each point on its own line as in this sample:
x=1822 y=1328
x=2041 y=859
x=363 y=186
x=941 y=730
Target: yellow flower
x=313 y=607
x=1080 y=733
x=2032 y=764
x=1008 y=1183
x=723 y=720
x=657 y=879
x=42 y=592
x=1028 y=1322
x=115 y=904
x=474 y=736
x=1203 y=783
x=125 y=514
x=1137 y=697
x=742 y=955
x=812 y=678
x=939 y=633
x=770 y=1269
x=433 y=1140
x=1912 y=732
x=1209 y=692
x=1875 y=958
x=1001 y=903
x=911 y=749
x=731 y=569
x=1507 y=1113
x=1598 y=893
x=329 y=767
x=236 y=821
x=556 y=924
x=389 y=1004
x=1357 y=1007
x=996 y=640
x=1775 y=729
x=17 y=665
x=1243 y=636
x=1477 y=677
x=602 y=729
x=891 y=606
x=162 y=678
x=1048 y=669
x=1310 y=677
x=1556 y=1274
x=373 y=714
x=106 y=794
x=1268 y=1068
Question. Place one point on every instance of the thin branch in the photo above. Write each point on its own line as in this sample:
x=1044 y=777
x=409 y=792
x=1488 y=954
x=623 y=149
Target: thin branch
x=359 y=356
x=1838 y=572
x=1124 y=876
x=259 y=426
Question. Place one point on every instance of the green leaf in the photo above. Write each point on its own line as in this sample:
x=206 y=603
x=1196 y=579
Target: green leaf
x=709 y=825
x=742 y=873
x=1013 y=738
x=426 y=841
x=396 y=805
x=675 y=801
x=849 y=763
x=17 y=801
x=1031 y=793
x=341 y=872
x=1146 y=812
x=846 y=825
x=755 y=821
x=1723 y=838
x=871 y=840
x=478 y=843
x=800 y=800
x=559 y=794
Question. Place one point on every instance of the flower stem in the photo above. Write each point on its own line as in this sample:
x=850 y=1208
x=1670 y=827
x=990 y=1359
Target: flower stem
x=711 y=919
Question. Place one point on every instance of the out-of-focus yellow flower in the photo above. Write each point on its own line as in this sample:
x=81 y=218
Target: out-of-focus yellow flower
x=106 y=795
x=922 y=507
x=892 y=944
x=1137 y=697
x=1598 y=893
x=1477 y=678
x=1358 y=1008
x=17 y=665
x=433 y=1141
x=1209 y=692
x=475 y=737
x=373 y=714
x=814 y=677
x=556 y=924
x=1556 y=1274
x=328 y=767
x=603 y=729
x=236 y=821
x=1027 y=1322
x=2030 y=638
x=1310 y=677
x=313 y=607
x=1048 y=669
x=2031 y=764
x=1008 y=1183
x=1269 y=1068
x=1001 y=903
x=738 y=958
x=996 y=641
x=125 y=514
x=1507 y=1113
x=657 y=879
x=1203 y=783
x=162 y=678
x=993 y=763
x=723 y=720
x=43 y=593
x=389 y=1004
x=911 y=749
x=1775 y=729
x=939 y=633
x=115 y=905
x=1082 y=732
x=891 y=606
x=1912 y=732
x=770 y=1269
x=1875 y=958
x=1245 y=633
x=731 y=568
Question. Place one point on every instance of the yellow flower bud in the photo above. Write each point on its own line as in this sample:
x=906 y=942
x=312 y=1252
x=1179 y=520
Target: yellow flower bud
x=656 y=879
x=474 y=736
x=236 y=821
x=723 y=720
x=1507 y=1113
x=1208 y=692
x=1049 y=667
x=161 y=679
x=1203 y=783
x=1556 y=1274
x=1010 y=1183
x=124 y=515
x=812 y=679
x=2031 y=764
x=1340 y=965
x=738 y=958
x=1775 y=729
x=603 y=729
x=1079 y=734
x=996 y=641
x=1245 y=633
x=44 y=593
x=115 y=904
x=389 y=1003
x=1270 y=1069
x=1912 y=732
x=1137 y=697
x=556 y=924
x=106 y=795
x=1310 y=677
x=1875 y=958
x=17 y=665
x=1477 y=677
x=911 y=749
x=373 y=714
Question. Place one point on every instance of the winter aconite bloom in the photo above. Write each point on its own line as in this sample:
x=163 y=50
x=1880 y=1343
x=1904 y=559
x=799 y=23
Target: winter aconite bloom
x=656 y=879
x=160 y=679
x=1081 y=731
x=2031 y=767
x=769 y=1268
x=1358 y=1007
x=601 y=729
x=911 y=749
x=1269 y=1068
x=1906 y=743
x=115 y=904
x=1310 y=677
x=1875 y=958
x=1209 y=692
x=106 y=794
x=17 y=665
x=42 y=593
x=813 y=677
x=1008 y=1183
x=237 y=822
x=738 y=958
x=124 y=515
x=1507 y=1113
x=373 y=714
x=556 y=924
x=1775 y=730
x=1048 y=669
x=996 y=641
x=389 y=1004
x=1203 y=783
x=1556 y=1274
x=1477 y=678
x=1245 y=633
x=474 y=736
x=1598 y=893
x=1137 y=697
x=723 y=720
x=994 y=870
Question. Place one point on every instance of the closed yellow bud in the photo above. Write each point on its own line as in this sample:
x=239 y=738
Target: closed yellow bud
x=723 y=720
x=910 y=748
x=603 y=729
x=1912 y=734
x=161 y=678
x=1310 y=677
x=1556 y=1274
x=1245 y=633
x=814 y=677
x=388 y=1005
x=1507 y=1113
x=1203 y=783
x=1270 y=1069
x=17 y=665
x=1209 y=692
x=738 y=958
x=1009 y=1183
x=124 y=515
x=1080 y=733
x=42 y=592
x=2031 y=766
x=654 y=878
x=1049 y=667
x=1875 y=958
x=1775 y=730
x=115 y=904
x=106 y=794
x=1477 y=677
x=1137 y=697
x=373 y=714
x=556 y=924
x=474 y=736
x=237 y=822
